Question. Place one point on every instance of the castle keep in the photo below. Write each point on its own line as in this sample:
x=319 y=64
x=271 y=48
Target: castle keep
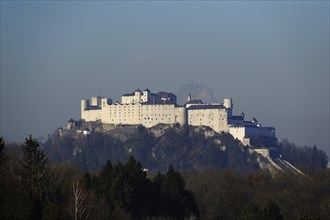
x=149 y=109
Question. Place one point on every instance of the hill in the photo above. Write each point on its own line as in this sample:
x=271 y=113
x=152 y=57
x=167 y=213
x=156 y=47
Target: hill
x=184 y=147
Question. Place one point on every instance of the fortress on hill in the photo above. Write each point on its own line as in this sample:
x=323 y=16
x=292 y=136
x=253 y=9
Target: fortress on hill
x=149 y=109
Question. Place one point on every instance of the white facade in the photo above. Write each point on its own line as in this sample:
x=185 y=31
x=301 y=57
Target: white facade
x=161 y=114
x=244 y=132
x=213 y=116
x=143 y=108
x=149 y=109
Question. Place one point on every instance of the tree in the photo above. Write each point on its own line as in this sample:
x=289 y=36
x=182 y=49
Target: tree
x=124 y=186
x=34 y=177
x=80 y=206
x=175 y=200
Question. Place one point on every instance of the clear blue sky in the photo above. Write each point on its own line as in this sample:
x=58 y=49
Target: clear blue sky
x=271 y=57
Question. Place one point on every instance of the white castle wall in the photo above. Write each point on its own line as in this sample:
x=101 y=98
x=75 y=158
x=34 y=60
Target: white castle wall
x=214 y=118
x=133 y=112
x=96 y=101
x=124 y=114
x=237 y=132
x=158 y=114
x=180 y=115
x=92 y=115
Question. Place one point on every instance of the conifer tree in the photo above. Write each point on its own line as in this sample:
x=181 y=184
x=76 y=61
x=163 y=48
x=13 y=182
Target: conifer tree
x=34 y=176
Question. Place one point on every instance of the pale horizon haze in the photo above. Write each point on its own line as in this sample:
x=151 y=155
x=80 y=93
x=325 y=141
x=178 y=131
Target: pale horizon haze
x=270 y=57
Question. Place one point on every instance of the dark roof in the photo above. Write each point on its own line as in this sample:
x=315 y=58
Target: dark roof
x=157 y=103
x=147 y=90
x=237 y=117
x=193 y=107
x=138 y=90
x=129 y=94
x=194 y=101
x=93 y=107
x=253 y=126
x=166 y=95
x=71 y=120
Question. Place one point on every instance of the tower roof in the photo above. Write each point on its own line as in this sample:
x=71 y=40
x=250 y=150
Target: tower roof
x=71 y=120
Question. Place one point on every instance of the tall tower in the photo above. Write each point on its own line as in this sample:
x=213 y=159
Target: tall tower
x=228 y=103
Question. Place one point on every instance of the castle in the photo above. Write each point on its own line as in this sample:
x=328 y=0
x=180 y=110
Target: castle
x=149 y=109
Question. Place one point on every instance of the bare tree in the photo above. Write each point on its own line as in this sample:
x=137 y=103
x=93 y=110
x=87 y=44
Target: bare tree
x=81 y=205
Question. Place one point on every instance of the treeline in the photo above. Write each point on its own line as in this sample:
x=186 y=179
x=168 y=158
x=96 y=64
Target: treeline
x=254 y=196
x=184 y=147
x=31 y=187
x=306 y=158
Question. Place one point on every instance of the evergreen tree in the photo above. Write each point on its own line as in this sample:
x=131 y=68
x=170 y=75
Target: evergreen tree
x=175 y=200
x=34 y=176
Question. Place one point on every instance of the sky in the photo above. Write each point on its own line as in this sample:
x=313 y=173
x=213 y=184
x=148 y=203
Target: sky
x=270 y=57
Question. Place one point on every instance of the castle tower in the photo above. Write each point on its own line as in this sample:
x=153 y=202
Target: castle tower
x=138 y=95
x=84 y=104
x=228 y=103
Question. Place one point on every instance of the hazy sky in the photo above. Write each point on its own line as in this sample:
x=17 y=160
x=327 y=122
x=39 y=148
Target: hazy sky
x=271 y=57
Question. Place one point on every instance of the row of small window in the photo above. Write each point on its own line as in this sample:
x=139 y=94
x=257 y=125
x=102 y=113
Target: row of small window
x=156 y=119
x=158 y=115
x=153 y=108
x=220 y=119
x=120 y=107
x=121 y=110
x=124 y=115
x=200 y=123
x=203 y=115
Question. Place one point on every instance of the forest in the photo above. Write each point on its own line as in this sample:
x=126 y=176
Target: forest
x=34 y=187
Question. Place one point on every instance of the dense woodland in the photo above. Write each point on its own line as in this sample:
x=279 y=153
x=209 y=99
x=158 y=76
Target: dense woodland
x=103 y=179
